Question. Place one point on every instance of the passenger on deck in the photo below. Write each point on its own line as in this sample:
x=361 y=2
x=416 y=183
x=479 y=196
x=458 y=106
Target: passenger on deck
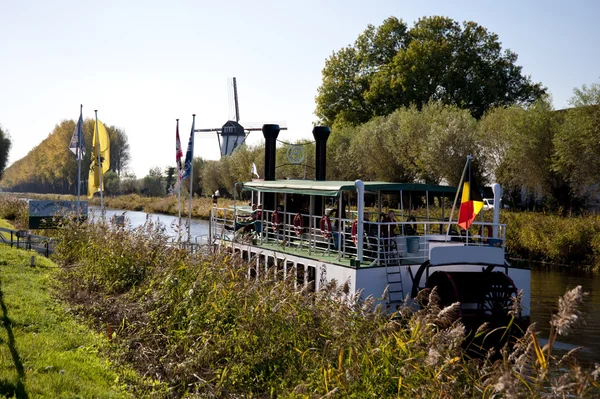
x=410 y=229
x=249 y=223
x=370 y=232
x=370 y=228
x=388 y=231
x=391 y=228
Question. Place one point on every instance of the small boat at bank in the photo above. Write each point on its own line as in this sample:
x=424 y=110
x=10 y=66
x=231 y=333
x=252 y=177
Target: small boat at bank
x=382 y=239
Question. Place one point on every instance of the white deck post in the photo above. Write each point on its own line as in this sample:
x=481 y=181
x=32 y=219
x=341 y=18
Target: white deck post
x=497 y=205
x=360 y=205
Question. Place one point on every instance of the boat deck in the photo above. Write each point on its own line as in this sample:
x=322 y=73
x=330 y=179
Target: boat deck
x=341 y=249
x=320 y=254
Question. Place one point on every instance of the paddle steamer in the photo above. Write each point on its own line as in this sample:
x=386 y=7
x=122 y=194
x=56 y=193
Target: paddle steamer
x=381 y=239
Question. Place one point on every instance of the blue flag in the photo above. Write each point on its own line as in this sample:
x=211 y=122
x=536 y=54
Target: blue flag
x=77 y=145
x=189 y=155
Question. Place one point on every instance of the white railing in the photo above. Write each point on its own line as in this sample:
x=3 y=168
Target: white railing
x=407 y=244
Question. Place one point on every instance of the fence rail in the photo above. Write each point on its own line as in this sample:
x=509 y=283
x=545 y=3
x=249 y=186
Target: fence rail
x=22 y=239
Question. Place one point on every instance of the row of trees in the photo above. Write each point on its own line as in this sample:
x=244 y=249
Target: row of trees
x=51 y=167
x=554 y=154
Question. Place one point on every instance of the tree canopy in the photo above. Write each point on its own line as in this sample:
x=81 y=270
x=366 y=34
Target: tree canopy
x=438 y=59
x=5 y=144
x=578 y=140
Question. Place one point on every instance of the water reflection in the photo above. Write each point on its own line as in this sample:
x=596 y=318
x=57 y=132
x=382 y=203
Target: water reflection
x=546 y=287
x=198 y=227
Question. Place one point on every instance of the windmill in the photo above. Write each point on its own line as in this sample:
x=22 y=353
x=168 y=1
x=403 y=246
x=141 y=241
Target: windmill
x=232 y=135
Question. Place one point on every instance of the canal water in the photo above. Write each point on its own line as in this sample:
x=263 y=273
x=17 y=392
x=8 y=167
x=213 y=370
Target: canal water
x=198 y=227
x=547 y=285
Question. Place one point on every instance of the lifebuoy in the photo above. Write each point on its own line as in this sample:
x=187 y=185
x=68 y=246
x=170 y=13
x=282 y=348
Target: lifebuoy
x=325 y=226
x=298 y=224
x=355 y=231
x=275 y=220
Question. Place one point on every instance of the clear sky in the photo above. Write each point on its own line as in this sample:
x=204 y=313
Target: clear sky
x=143 y=64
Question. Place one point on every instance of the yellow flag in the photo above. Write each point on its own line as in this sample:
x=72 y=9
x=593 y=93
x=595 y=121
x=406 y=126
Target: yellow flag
x=101 y=136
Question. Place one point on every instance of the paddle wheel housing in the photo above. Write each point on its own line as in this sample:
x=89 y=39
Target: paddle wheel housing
x=484 y=296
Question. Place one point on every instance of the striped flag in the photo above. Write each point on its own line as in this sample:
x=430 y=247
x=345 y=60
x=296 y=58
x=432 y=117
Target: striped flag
x=471 y=202
x=77 y=145
x=178 y=152
x=189 y=155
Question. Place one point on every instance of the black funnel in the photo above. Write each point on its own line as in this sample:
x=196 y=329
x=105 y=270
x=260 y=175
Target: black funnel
x=270 y=132
x=321 y=134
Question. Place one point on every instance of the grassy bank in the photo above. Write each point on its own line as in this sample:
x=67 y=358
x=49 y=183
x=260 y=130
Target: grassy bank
x=44 y=352
x=198 y=323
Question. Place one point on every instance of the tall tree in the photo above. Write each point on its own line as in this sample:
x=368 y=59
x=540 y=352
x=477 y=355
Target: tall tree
x=519 y=144
x=577 y=141
x=450 y=138
x=171 y=179
x=152 y=184
x=437 y=59
x=409 y=145
x=5 y=144
x=119 y=150
x=348 y=75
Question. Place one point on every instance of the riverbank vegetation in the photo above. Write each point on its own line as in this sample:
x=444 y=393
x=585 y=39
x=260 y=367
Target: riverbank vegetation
x=44 y=351
x=199 y=324
x=569 y=242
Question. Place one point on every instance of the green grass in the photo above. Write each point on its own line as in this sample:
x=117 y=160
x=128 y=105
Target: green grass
x=5 y=225
x=44 y=352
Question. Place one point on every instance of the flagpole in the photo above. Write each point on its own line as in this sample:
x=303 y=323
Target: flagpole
x=191 y=179
x=462 y=177
x=178 y=191
x=79 y=128
x=99 y=165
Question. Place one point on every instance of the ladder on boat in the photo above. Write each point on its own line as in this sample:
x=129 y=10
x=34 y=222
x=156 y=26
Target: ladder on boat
x=394 y=282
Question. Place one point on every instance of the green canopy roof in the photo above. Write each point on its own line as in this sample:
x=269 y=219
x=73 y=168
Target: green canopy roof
x=332 y=188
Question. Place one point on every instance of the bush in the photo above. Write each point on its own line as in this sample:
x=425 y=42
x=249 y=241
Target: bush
x=574 y=241
x=14 y=210
x=110 y=258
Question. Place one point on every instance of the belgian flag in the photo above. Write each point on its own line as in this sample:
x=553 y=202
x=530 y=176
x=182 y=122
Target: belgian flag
x=471 y=202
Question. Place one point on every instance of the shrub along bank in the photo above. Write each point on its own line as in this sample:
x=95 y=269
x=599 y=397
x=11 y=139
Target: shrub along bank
x=572 y=241
x=199 y=324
